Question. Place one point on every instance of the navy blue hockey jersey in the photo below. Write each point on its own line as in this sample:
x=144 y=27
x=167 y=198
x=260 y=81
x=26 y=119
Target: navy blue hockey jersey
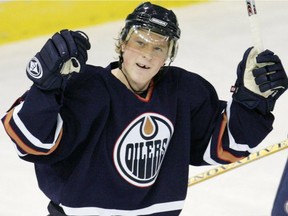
x=100 y=149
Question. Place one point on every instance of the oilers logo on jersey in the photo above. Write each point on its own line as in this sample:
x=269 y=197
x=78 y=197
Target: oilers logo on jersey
x=140 y=150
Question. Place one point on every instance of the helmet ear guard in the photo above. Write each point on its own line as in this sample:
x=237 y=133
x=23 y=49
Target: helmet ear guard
x=157 y=19
x=173 y=49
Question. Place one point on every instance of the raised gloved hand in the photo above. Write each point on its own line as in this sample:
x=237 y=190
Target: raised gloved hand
x=64 y=53
x=261 y=80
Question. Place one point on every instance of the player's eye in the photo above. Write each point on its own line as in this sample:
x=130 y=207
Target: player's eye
x=158 y=49
x=140 y=43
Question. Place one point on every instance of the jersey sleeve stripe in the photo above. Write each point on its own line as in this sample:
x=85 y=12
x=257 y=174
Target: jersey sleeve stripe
x=21 y=144
x=232 y=143
x=36 y=142
x=207 y=155
x=221 y=153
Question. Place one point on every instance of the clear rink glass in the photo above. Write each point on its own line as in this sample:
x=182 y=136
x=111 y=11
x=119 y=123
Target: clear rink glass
x=148 y=43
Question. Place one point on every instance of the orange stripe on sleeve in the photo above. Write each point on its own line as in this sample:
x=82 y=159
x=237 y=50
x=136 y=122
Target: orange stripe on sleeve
x=221 y=153
x=20 y=142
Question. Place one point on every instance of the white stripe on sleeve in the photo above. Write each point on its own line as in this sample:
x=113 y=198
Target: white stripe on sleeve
x=34 y=140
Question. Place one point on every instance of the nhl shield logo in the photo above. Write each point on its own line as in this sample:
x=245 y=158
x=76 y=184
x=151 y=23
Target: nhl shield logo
x=140 y=150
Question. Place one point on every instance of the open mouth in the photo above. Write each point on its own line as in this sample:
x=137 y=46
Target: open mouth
x=142 y=66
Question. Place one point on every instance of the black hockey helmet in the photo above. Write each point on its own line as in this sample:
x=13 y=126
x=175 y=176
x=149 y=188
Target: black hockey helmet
x=157 y=19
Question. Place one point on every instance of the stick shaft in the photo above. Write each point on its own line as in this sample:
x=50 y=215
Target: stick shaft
x=254 y=25
x=224 y=168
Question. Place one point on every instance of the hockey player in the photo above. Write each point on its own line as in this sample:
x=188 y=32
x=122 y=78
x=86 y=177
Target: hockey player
x=280 y=207
x=119 y=140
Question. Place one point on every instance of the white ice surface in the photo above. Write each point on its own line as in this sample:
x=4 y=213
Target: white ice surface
x=214 y=38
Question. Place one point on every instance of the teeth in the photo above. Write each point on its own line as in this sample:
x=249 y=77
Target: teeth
x=143 y=66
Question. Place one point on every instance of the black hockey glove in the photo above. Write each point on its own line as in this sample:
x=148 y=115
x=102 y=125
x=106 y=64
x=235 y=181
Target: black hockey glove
x=64 y=53
x=261 y=80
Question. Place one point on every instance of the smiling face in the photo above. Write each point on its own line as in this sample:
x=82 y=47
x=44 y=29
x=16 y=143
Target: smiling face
x=143 y=55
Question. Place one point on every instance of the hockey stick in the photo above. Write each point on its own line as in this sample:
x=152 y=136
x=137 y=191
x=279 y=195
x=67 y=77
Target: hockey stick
x=224 y=168
x=254 y=25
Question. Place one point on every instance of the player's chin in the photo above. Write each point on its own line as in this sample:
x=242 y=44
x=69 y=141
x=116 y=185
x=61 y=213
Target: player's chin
x=142 y=79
